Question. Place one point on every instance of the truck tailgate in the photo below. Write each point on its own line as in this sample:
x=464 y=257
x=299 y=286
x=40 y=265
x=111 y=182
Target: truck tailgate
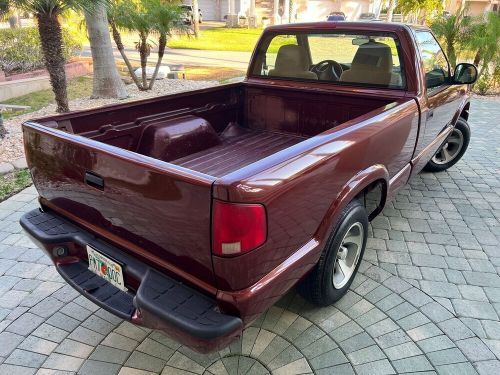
x=155 y=210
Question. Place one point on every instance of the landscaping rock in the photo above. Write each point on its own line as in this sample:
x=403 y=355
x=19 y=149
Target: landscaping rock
x=11 y=146
x=20 y=163
x=6 y=168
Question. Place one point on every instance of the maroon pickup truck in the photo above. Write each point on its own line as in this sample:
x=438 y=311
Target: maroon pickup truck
x=194 y=213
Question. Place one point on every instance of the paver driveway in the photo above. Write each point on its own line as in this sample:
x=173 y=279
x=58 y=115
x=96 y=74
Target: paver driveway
x=427 y=298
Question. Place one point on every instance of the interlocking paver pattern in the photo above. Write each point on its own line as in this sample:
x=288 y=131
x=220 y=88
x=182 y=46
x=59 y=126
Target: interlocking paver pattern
x=426 y=300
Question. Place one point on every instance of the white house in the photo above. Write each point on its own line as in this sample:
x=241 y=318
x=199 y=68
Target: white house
x=303 y=10
x=314 y=10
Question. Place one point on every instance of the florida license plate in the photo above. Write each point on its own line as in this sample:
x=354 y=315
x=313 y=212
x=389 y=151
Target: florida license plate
x=106 y=268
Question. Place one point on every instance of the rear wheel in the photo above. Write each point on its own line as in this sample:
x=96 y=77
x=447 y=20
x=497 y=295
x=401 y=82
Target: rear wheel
x=340 y=260
x=452 y=150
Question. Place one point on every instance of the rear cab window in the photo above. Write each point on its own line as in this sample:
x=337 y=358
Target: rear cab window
x=371 y=60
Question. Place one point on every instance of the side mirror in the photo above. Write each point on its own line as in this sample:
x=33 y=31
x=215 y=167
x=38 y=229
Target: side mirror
x=465 y=74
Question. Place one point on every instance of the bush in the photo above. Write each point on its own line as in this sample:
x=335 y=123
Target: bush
x=21 y=51
x=483 y=84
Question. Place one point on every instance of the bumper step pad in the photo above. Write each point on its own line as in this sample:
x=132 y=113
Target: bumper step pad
x=97 y=289
x=170 y=302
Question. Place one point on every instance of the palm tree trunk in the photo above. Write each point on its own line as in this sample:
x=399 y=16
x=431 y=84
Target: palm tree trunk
x=143 y=53
x=52 y=42
x=477 y=58
x=107 y=82
x=119 y=44
x=450 y=51
x=390 y=9
x=196 y=18
x=162 y=43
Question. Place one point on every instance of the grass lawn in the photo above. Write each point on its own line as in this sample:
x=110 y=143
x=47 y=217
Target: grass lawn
x=220 y=39
x=77 y=88
x=202 y=73
x=14 y=182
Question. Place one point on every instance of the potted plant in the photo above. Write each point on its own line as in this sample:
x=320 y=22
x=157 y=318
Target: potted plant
x=265 y=21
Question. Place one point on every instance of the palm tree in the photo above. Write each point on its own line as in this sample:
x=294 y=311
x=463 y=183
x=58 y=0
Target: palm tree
x=47 y=14
x=452 y=30
x=196 y=18
x=390 y=9
x=483 y=38
x=148 y=18
x=106 y=80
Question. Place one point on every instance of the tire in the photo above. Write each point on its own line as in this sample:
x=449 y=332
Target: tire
x=322 y=286
x=444 y=159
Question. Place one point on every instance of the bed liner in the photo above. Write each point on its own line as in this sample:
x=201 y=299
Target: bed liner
x=239 y=147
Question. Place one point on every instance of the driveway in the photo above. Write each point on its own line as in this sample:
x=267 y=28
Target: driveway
x=426 y=300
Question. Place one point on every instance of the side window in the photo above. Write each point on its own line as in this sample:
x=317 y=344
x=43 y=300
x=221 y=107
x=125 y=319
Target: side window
x=436 y=68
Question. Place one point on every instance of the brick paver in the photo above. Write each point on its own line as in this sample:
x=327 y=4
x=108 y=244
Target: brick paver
x=427 y=298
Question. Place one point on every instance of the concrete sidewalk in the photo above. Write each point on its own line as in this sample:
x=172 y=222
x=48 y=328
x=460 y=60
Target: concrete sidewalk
x=426 y=300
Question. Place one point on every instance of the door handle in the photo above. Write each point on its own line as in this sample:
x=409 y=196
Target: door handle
x=94 y=180
x=430 y=114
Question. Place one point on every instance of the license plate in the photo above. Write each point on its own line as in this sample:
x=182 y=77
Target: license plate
x=106 y=268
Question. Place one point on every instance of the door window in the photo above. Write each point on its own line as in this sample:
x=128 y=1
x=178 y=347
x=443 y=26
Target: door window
x=436 y=68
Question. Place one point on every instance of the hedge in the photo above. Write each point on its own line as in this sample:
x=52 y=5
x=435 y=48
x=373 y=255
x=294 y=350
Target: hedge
x=21 y=51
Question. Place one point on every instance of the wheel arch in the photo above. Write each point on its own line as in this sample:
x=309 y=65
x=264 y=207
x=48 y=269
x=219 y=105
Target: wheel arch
x=369 y=185
x=464 y=113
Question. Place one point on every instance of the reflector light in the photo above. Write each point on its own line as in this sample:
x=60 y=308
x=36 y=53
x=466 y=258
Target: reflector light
x=237 y=228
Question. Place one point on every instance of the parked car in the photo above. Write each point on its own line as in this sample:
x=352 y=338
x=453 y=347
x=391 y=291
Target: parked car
x=193 y=213
x=189 y=18
x=336 y=16
x=367 y=16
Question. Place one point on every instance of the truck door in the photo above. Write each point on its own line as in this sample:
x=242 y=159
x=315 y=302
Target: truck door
x=442 y=97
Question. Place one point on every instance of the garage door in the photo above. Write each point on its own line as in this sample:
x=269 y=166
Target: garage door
x=208 y=9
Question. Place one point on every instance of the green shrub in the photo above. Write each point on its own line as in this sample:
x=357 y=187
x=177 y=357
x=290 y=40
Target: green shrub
x=21 y=51
x=483 y=84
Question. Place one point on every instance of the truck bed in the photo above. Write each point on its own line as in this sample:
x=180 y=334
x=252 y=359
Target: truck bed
x=237 y=151
x=141 y=175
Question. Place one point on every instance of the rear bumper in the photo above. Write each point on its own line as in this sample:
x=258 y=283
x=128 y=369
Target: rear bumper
x=154 y=300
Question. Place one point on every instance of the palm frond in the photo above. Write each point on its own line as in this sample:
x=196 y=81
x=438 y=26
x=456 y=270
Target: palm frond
x=56 y=7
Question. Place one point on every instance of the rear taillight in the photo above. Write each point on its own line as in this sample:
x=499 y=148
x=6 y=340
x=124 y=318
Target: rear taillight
x=237 y=228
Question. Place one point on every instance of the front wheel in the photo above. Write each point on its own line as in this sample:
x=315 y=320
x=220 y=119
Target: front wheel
x=340 y=260
x=452 y=150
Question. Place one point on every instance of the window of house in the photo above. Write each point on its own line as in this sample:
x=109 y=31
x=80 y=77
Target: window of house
x=436 y=68
x=359 y=59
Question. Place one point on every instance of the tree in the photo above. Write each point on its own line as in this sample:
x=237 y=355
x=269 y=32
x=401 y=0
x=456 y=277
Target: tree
x=483 y=39
x=390 y=9
x=452 y=30
x=425 y=7
x=148 y=18
x=196 y=18
x=107 y=82
x=7 y=14
x=47 y=14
